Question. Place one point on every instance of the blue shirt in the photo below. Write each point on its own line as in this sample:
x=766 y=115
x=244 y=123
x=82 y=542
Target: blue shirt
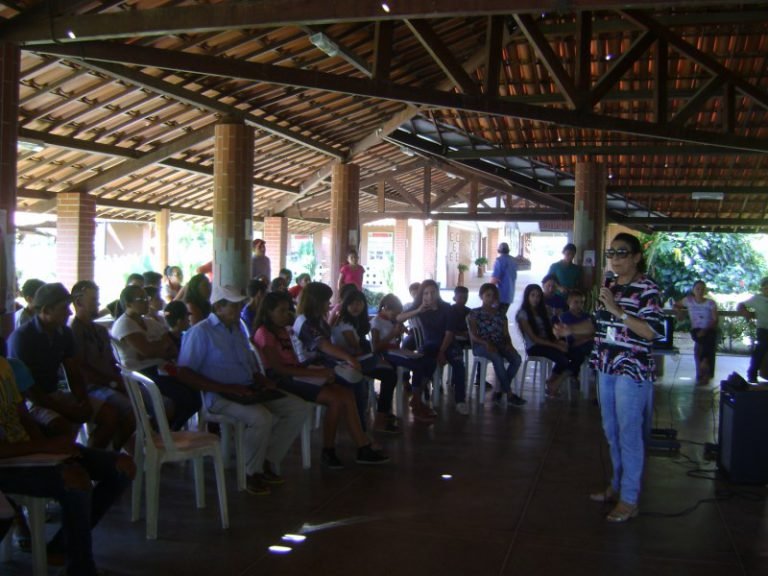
x=505 y=271
x=218 y=353
x=43 y=353
x=433 y=324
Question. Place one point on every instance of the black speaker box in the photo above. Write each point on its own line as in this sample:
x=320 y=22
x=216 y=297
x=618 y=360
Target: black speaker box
x=743 y=454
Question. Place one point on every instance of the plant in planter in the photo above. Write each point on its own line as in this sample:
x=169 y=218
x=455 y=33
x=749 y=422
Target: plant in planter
x=462 y=268
x=481 y=263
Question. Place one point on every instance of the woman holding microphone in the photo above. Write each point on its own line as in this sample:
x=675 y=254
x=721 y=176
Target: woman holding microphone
x=627 y=323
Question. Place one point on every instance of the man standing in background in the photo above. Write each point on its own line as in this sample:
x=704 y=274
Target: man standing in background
x=505 y=276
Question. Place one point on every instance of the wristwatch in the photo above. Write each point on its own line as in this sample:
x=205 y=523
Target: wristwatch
x=623 y=316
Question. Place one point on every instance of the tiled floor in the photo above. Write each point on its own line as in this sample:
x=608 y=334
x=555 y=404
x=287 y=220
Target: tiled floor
x=516 y=504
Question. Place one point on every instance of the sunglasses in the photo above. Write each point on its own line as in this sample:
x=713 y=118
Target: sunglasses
x=619 y=253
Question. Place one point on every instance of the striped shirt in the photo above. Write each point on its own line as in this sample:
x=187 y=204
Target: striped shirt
x=618 y=350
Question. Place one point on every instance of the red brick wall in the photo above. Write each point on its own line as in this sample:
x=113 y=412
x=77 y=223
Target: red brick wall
x=430 y=251
x=276 y=237
x=75 y=237
x=401 y=276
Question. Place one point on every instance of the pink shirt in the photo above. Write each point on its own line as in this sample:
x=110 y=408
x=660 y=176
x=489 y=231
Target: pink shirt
x=282 y=343
x=351 y=275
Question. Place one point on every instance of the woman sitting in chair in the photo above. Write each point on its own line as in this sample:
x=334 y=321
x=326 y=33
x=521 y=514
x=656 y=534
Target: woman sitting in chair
x=489 y=333
x=536 y=328
x=145 y=345
x=311 y=383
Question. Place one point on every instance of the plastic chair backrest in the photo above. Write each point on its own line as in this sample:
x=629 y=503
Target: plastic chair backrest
x=259 y=360
x=135 y=381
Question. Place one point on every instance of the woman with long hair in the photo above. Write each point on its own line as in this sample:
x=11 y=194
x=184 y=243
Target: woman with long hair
x=313 y=383
x=627 y=323
x=429 y=315
x=536 y=328
x=173 y=279
x=350 y=332
x=197 y=297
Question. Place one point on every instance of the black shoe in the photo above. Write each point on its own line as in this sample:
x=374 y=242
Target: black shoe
x=497 y=398
x=330 y=460
x=367 y=455
x=515 y=400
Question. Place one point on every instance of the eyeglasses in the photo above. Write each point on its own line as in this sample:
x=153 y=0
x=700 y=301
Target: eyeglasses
x=619 y=253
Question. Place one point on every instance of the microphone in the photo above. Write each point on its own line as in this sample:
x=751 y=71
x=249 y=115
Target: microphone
x=608 y=279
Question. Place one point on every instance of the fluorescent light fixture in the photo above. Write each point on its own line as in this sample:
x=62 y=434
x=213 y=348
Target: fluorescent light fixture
x=608 y=57
x=27 y=146
x=451 y=175
x=446 y=476
x=407 y=151
x=293 y=538
x=707 y=195
x=280 y=549
x=71 y=35
x=322 y=42
x=385 y=7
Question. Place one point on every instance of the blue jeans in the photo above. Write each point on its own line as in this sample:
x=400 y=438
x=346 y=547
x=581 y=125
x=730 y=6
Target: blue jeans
x=455 y=357
x=623 y=403
x=504 y=374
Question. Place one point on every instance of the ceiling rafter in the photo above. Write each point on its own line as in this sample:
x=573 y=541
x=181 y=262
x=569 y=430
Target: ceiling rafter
x=257 y=72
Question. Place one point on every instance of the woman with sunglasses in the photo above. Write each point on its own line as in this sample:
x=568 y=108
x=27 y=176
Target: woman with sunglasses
x=628 y=321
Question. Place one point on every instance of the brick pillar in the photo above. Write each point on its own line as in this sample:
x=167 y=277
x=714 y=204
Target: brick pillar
x=162 y=222
x=400 y=256
x=430 y=251
x=276 y=237
x=492 y=245
x=232 y=204
x=9 y=111
x=75 y=237
x=589 y=217
x=345 y=213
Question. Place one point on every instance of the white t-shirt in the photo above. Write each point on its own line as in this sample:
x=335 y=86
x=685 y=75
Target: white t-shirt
x=759 y=304
x=337 y=335
x=700 y=313
x=384 y=327
x=129 y=356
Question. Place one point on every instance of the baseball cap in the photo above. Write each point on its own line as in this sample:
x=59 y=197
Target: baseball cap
x=50 y=295
x=228 y=293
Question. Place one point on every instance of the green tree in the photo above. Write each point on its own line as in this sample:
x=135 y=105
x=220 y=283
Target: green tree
x=726 y=262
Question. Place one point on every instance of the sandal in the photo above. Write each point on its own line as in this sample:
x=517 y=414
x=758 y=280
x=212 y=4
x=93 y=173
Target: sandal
x=607 y=495
x=623 y=512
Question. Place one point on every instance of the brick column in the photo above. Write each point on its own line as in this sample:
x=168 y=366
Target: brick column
x=400 y=256
x=232 y=204
x=430 y=251
x=75 y=237
x=10 y=59
x=492 y=245
x=589 y=217
x=345 y=225
x=276 y=237
x=162 y=222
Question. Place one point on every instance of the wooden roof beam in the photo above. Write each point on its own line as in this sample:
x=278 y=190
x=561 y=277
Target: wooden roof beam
x=550 y=60
x=200 y=64
x=441 y=54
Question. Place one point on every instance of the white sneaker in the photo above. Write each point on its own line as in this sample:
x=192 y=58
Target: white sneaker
x=462 y=408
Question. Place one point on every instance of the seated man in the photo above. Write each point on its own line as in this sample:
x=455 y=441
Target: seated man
x=45 y=345
x=24 y=315
x=69 y=481
x=94 y=351
x=452 y=348
x=216 y=357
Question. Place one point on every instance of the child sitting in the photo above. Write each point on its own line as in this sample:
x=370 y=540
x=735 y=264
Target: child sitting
x=579 y=347
x=452 y=349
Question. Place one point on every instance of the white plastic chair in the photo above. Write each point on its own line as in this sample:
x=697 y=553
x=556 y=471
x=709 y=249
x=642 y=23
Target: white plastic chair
x=36 y=515
x=229 y=429
x=479 y=370
x=154 y=449
x=542 y=368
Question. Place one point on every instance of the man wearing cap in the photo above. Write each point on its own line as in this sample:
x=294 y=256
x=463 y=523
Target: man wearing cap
x=216 y=358
x=45 y=345
x=567 y=273
x=505 y=276
x=261 y=267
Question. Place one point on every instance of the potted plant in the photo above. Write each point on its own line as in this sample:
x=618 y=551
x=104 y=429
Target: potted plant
x=462 y=268
x=481 y=263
